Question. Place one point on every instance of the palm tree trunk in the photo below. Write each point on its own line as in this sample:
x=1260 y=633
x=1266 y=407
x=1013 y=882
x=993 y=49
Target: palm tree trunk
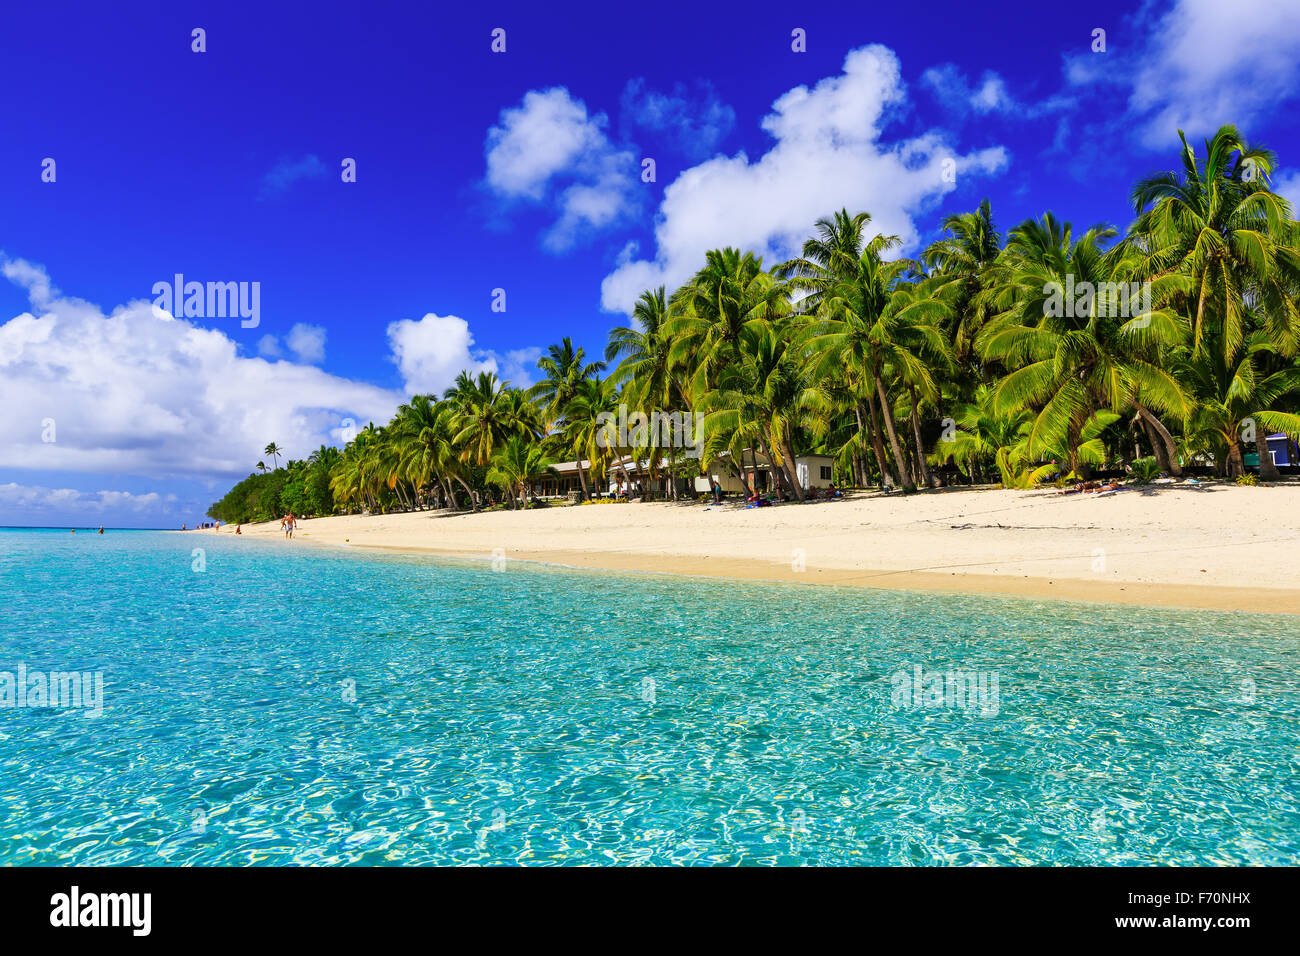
x=1267 y=470
x=916 y=434
x=887 y=413
x=582 y=479
x=860 y=471
x=1081 y=469
x=469 y=491
x=1236 y=464
x=1171 y=450
x=876 y=444
x=793 y=468
x=627 y=481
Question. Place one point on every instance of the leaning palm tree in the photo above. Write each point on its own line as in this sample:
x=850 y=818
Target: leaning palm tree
x=261 y=466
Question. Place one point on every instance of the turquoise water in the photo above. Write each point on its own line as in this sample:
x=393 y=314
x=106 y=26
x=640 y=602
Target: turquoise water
x=302 y=706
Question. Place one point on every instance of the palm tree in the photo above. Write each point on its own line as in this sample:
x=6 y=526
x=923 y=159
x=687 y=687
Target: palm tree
x=872 y=323
x=960 y=261
x=1237 y=397
x=980 y=435
x=274 y=451
x=518 y=464
x=1066 y=355
x=826 y=258
x=586 y=427
x=709 y=313
x=261 y=466
x=562 y=369
x=484 y=419
x=649 y=380
x=1219 y=224
x=760 y=399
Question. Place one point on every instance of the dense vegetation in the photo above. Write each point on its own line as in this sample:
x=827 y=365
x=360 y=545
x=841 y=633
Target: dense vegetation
x=1045 y=353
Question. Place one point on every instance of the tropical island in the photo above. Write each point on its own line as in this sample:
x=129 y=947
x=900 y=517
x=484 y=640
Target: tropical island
x=1049 y=362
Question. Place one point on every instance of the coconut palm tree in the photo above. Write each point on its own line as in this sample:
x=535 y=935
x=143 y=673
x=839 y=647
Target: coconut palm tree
x=649 y=380
x=1062 y=344
x=762 y=398
x=588 y=428
x=1238 y=398
x=517 y=465
x=1219 y=224
x=274 y=451
x=871 y=322
x=829 y=256
x=562 y=369
x=709 y=314
x=960 y=261
x=484 y=420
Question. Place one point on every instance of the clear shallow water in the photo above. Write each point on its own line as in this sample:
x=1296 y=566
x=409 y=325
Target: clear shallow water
x=548 y=716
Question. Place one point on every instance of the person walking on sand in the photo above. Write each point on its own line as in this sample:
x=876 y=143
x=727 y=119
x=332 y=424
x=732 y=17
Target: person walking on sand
x=237 y=531
x=290 y=521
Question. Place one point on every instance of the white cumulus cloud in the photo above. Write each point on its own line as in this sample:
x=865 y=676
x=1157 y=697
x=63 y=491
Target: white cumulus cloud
x=828 y=154
x=1211 y=63
x=26 y=499
x=430 y=353
x=550 y=151
x=128 y=392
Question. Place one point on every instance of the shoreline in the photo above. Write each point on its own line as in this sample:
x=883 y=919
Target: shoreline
x=1200 y=597
x=1160 y=546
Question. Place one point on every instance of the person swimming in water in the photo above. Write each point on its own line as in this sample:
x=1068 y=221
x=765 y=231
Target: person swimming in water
x=101 y=530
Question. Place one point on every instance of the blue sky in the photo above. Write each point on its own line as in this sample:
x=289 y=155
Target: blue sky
x=520 y=171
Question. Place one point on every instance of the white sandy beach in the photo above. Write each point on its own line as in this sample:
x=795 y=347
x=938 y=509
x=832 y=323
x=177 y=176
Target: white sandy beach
x=1210 y=546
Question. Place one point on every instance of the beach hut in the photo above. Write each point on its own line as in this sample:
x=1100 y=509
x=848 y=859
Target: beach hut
x=812 y=472
x=815 y=471
x=1283 y=450
x=567 y=481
